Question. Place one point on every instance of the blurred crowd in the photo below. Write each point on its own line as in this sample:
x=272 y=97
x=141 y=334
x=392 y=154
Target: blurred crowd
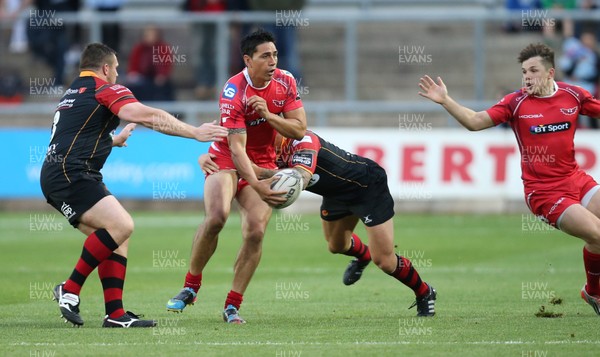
x=37 y=31
x=58 y=45
x=576 y=42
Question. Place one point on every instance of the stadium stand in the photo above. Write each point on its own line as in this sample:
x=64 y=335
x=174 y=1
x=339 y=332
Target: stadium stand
x=453 y=41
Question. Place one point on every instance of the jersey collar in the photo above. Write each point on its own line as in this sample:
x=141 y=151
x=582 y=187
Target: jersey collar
x=249 y=80
x=88 y=74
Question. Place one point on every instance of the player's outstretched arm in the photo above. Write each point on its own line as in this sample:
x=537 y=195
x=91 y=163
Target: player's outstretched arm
x=292 y=125
x=120 y=140
x=437 y=92
x=163 y=122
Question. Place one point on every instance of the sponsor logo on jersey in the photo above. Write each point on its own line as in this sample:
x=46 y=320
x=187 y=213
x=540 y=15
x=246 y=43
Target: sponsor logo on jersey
x=570 y=90
x=72 y=91
x=118 y=89
x=302 y=158
x=531 y=116
x=283 y=83
x=569 y=111
x=257 y=121
x=66 y=103
x=549 y=128
x=82 y=89
x=279 y=103
x=229 y=91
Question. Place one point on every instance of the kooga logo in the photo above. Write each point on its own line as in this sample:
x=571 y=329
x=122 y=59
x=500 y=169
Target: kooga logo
x=549 y=128
x=531 y=116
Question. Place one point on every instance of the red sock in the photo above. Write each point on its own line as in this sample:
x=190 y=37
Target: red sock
x=193 y=281
x=358 y=249
x=591 y=262
x=112 y=275
x=97 y=247
x=234 y=298
x=407 y=274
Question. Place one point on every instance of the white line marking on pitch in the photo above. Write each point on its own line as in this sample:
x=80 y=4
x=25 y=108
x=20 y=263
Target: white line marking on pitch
x=305 y=343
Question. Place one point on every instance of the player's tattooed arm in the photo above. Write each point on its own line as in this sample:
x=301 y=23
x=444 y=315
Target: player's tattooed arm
x=306 y=175
x=262 y=173
x=237 y=131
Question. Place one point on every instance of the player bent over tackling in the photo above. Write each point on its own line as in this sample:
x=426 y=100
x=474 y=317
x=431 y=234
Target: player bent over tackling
x=353 y=188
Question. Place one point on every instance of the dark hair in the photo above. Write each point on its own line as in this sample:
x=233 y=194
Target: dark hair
x=538 y=49
x=95 y=55
x=253 y=40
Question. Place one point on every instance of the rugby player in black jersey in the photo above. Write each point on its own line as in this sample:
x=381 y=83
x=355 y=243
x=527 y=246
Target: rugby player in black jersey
x=80 y=142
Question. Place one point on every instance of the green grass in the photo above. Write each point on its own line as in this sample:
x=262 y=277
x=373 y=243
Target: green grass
x=492 y=274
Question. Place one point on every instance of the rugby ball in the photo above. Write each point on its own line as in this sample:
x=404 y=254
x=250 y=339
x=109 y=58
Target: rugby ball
x=290 y=181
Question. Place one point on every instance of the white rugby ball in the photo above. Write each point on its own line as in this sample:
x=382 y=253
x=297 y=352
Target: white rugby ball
x=290 y=181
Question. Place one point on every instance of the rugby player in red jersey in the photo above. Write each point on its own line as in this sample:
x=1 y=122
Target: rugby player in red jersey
x=353 y=188
x=255 y=105
x=80 y=142
x=543 y=116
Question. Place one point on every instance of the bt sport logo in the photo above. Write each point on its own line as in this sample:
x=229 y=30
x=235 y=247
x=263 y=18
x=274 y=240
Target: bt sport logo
x=549 y=128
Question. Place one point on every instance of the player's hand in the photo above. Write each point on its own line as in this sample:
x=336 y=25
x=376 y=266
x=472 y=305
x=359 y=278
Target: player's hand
x=436 y=92
x=260 y=105
x=210 y=132
x=263 y=188
x=208 y=166
x=120 y=140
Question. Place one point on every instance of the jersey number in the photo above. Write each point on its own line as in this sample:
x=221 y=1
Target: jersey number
x=54 y=124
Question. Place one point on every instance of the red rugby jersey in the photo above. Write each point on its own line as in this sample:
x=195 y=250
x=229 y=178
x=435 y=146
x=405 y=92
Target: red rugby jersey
x=281 y=96
x=545 y=129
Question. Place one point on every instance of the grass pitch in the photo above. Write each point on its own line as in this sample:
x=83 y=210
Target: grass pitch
x=492 y=274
